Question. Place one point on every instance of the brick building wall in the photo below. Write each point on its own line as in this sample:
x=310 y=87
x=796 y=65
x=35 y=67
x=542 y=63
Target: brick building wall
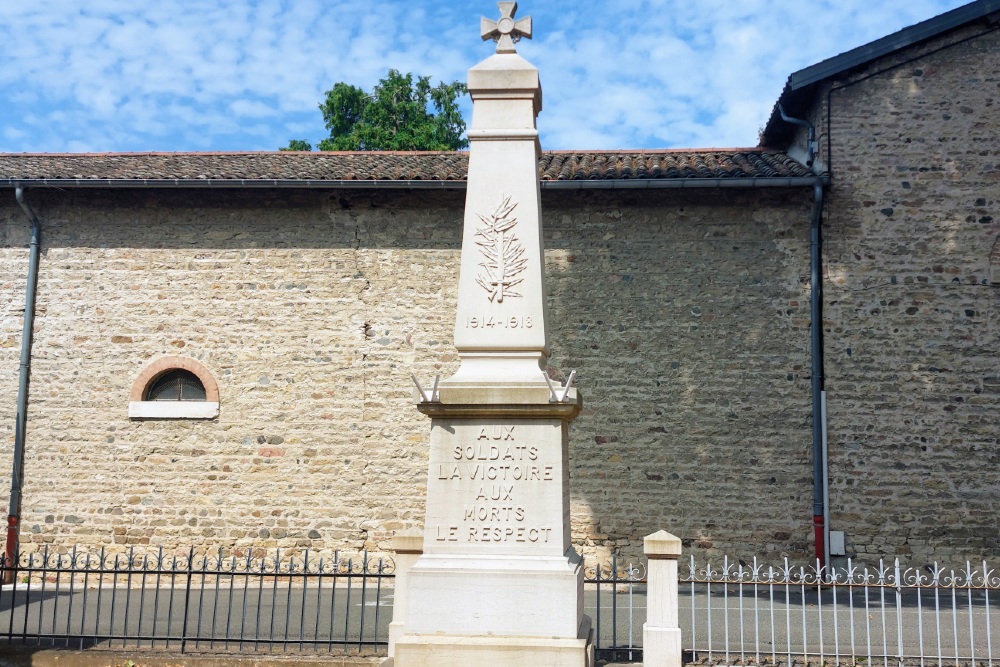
x=685 y=315
x=911 y=314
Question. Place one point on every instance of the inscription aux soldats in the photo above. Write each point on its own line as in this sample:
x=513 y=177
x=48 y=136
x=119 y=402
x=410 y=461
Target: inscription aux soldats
x=512 y=461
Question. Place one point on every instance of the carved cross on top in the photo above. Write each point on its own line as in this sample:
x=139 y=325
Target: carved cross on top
x=506 y=31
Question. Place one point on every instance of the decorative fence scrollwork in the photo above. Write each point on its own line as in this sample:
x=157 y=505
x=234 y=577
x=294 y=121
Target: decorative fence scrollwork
x=863 y=614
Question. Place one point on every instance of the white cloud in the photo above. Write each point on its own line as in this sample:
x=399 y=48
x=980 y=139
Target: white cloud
x=13 y=134
x=252 y=109
x=205 y=74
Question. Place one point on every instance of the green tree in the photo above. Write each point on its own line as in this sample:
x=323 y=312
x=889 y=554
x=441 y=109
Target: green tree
x=297 y=145
x=395 y=116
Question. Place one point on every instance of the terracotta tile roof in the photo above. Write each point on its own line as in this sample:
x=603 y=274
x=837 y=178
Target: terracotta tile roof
x=621 y=165
x=320 y=167
x=237 y=166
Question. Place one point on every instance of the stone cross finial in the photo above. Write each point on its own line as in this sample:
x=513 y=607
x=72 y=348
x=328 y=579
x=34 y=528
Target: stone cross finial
x=506 y=31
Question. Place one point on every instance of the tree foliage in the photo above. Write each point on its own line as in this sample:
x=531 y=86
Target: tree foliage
x=395 y=116
x=297 y=145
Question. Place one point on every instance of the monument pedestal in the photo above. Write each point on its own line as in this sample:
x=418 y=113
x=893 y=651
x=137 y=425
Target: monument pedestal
x=502 y=612
x=509 y=612
x=524 y=596
x=498 y=581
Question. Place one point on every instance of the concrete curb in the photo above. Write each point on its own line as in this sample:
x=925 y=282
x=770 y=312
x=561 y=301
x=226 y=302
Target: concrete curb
x=11 y=656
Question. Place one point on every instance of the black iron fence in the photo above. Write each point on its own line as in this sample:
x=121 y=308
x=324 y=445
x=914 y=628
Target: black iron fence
x=255 y=602
x=270 y=601
x=615 y=599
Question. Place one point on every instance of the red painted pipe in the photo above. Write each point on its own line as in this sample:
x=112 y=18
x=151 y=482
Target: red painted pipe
x=820 y=534
x=10 y=552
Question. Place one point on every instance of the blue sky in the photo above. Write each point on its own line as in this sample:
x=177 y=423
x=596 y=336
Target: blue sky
x=220 y=75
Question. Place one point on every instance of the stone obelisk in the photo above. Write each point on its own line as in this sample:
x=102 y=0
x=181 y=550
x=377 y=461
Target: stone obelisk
x=498 y=582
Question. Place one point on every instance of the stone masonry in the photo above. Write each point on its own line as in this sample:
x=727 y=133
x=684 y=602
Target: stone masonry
x=911 y=317
x=685 y=315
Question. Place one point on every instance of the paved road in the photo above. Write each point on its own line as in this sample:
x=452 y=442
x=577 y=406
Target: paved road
x=966 y=627
x=122 y=616
x=875 y=624
x=278 y=617
x=213 y=619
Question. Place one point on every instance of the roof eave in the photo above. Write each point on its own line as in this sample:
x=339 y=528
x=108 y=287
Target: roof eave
x=243 y=183
x=582 y=184
x=799 y=89
x=897 y=41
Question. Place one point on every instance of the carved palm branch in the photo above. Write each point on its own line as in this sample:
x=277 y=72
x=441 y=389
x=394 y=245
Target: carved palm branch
x=502 y=252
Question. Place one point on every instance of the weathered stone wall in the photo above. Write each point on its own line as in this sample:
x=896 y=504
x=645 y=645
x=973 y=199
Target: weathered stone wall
x=273 y=295
x=685 y=314
x=14 y=238
x=911 y=316
x=687 y=318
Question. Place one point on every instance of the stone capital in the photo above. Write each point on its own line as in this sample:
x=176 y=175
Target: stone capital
x=409 y=541
x=505 y=76
x=661 y=544
x=501 y=402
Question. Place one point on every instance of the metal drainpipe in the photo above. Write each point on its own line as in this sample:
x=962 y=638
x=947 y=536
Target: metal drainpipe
x=16 y=477
x=820 y=471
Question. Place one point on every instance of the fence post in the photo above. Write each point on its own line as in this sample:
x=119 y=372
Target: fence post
x=661 y=635
x=187 y=596
x=408 y=545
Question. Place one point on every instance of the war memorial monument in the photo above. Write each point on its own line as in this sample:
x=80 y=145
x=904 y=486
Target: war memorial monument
x=498 y=581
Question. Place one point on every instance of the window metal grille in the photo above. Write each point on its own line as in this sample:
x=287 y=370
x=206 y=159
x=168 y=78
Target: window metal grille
x=177 y=385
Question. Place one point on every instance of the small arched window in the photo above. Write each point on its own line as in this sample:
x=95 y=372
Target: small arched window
x=176 y=385
x=174 y=388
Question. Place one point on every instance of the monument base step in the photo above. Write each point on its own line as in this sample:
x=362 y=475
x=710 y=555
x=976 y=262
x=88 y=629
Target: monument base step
x=506 y=596
x=441 y=650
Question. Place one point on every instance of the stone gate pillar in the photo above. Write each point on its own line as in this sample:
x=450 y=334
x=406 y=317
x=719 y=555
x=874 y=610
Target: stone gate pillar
x=661 y=635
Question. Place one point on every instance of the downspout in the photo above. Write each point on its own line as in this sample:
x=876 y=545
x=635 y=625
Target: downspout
x=17 y=474
x=820 y=472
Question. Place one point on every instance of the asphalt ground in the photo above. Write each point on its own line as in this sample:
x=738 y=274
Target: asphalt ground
x=282 y=619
